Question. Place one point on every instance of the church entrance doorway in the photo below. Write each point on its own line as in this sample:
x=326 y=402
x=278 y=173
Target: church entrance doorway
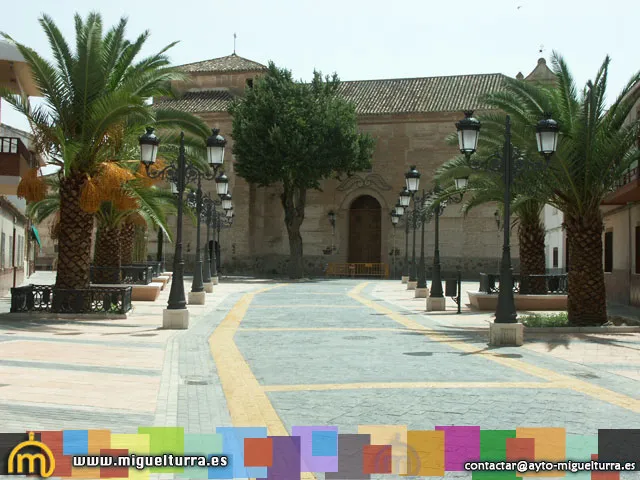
x=365 y=230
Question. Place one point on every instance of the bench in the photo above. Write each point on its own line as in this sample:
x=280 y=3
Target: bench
x=141 y=293
x=163 y=279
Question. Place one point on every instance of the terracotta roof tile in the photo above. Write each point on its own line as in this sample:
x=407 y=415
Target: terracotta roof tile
x=420 y=95
x=379 y=97
x=198 y=102
x=230 y=63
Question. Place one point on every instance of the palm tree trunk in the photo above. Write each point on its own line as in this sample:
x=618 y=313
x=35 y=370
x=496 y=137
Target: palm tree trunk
x=74 y=236
x=107 y=256
x=127 y=240
x=532 y=257
x=140 y=244
x=587 y=299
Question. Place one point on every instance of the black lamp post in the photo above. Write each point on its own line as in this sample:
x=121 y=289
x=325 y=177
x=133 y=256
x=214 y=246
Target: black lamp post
x=211 y=264
x=420 y=206
x=176 y=315
x=332 y=221
x=160 y=252
x=224 y=221
x=206 y=268
x=395 y=218
x=547 y=140
x=402 y=208
x=436 y=300
x=412 y=179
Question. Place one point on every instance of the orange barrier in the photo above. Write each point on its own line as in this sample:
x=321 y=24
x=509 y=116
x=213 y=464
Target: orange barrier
x=358 y=270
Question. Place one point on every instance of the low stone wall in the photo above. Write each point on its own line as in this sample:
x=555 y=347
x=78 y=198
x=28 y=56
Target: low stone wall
x=315 y=265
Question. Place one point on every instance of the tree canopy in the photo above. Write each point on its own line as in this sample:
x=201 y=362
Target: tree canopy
x=296 y=133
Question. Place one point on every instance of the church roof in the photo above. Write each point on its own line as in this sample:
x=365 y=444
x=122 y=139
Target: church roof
x=542 y=73
x=198 y=101
x=376 y=97
x=230 y=63
x=420 y=95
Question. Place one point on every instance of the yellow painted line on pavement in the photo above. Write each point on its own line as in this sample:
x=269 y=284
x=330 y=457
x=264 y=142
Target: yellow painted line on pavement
x=402 y=385
x=248 y=403
x=581 y=386
x=321 y=329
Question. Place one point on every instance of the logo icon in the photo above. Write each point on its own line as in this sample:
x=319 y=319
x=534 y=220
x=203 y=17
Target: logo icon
x=407 y=463
x=16 y=461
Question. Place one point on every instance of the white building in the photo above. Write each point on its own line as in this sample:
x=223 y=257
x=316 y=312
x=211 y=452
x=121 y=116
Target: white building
x=554 y=240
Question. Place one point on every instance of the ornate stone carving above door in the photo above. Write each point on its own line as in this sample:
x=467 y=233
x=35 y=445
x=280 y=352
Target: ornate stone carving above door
x=371 y=180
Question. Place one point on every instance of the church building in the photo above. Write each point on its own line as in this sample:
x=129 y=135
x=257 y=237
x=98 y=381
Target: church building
x=409 y=118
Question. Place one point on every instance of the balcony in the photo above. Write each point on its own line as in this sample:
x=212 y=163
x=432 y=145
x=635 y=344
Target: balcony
x=15 y=161
x=628 y=189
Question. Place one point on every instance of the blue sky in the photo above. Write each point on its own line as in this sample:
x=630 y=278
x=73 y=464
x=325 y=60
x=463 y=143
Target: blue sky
x=366 y=40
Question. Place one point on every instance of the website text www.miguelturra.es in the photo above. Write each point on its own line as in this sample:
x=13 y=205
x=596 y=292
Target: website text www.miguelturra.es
x=141 y=462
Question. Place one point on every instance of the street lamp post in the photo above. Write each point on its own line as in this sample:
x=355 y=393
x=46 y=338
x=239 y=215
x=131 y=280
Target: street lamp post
x=176 y=314
x=402 y=207
x=212 y=219
x=420 y=206
x=436 y=300
x=506 y=330
x=224 y=221
x=412 y=179
x=332 y=221
x=208 y=283
x=160 y=253
x=395 y=218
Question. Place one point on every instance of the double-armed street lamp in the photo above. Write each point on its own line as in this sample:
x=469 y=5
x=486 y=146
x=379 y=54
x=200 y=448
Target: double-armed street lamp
x=506 y=330
x=179 y=175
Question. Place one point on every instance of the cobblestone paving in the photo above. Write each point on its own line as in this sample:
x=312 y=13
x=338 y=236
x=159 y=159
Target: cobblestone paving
x=326 y=357
x=312 y=353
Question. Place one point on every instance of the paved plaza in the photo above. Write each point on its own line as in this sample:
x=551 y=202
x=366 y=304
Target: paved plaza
x=325 y=352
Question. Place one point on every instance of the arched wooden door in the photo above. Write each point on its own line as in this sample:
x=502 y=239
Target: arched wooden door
x=365 y=230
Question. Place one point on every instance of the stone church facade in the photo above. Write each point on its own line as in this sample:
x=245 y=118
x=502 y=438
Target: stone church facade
x=409 y=118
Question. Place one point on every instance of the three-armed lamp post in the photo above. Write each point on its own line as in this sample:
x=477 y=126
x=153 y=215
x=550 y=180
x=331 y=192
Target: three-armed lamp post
x=506 y=330
x=176 y=314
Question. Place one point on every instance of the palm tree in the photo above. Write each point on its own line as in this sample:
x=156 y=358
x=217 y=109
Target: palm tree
x=93 y=95
x=488 y=187
x=135 y=203
x=596 y=147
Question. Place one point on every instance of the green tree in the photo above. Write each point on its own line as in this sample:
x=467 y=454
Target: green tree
x=596 y=147
x=93 y=95
x=295 y=135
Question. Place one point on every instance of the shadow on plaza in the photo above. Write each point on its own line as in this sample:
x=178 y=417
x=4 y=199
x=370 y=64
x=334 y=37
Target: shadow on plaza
x=13 y=326
x=281 y=279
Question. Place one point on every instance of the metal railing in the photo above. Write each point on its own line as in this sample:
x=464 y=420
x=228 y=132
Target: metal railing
x=528 y=285
x=358 y=270
x=47 y=298
x=627 y=177
x=155 y=265
x=126 y=274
